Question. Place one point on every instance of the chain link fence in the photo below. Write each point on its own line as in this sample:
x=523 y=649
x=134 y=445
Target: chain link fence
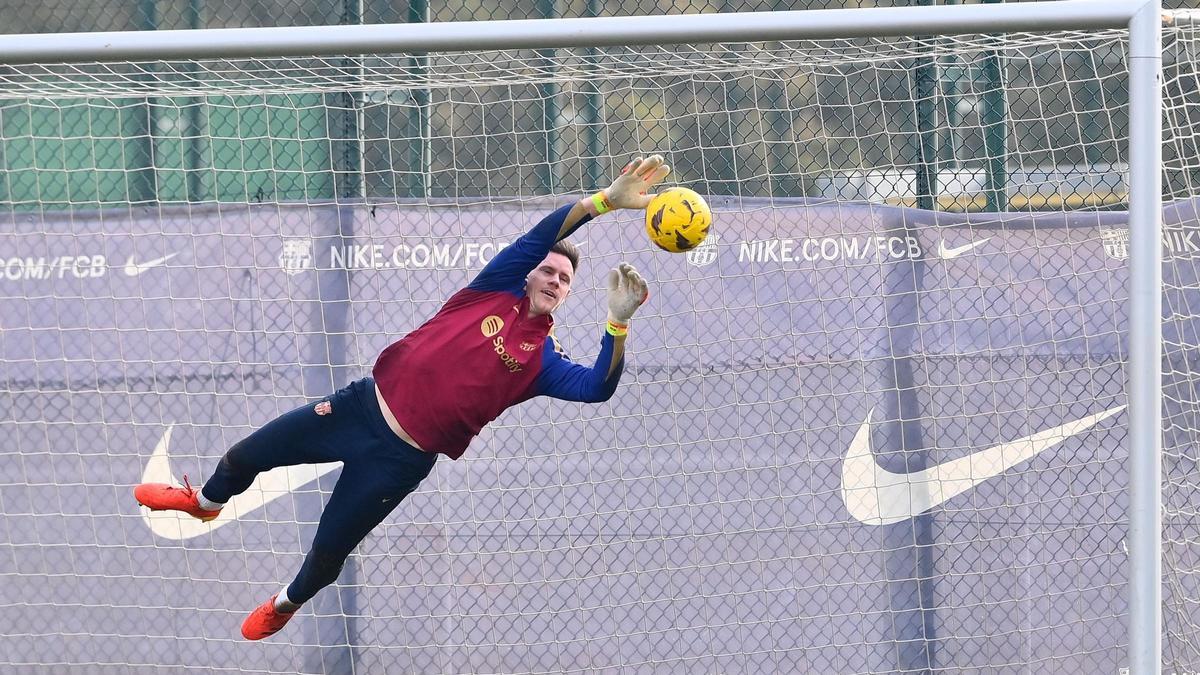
x=953 y=134
x=1030 y=326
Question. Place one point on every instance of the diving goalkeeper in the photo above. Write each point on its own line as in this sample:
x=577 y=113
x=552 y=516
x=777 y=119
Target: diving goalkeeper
x=488 y=348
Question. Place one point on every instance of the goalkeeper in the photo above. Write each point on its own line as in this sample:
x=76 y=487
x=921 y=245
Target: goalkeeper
x=488 y=348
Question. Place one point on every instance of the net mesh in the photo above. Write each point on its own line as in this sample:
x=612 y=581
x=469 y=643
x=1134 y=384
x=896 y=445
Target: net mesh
x=876 y=424
x=1181 y=179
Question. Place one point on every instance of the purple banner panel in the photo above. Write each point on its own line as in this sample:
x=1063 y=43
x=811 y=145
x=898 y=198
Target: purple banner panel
x=850 y=438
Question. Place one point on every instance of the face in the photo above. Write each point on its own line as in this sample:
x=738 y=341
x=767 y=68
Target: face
x=549 y=283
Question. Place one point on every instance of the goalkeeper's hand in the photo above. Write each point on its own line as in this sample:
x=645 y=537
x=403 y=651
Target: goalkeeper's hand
x=628 y=191
x=626 y=292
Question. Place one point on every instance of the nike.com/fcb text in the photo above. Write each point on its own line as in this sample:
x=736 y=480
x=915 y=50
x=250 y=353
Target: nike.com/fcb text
x=85 y=266
x=829 y=249
x=441 y=256
x=39 y=268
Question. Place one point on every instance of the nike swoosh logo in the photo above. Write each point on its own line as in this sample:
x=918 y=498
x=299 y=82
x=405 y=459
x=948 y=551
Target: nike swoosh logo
x=946 y=253
x=269 y=486
x=134 y=269
x=876 y=496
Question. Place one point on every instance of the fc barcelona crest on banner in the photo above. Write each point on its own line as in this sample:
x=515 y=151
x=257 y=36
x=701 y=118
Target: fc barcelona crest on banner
x=297 y=255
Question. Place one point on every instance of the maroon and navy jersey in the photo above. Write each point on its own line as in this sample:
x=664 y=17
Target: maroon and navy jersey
x=482 y=353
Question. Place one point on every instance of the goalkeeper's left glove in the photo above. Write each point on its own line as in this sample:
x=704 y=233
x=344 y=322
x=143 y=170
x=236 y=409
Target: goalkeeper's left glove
x=626 y=292
x=629 y=189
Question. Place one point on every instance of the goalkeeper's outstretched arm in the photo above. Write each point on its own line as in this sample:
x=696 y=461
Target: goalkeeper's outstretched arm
x=560 y=378
x=627 y=291
x=508 y=269
x=630 y=190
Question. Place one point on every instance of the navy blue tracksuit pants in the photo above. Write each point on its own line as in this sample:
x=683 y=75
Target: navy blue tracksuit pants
x=379 y=471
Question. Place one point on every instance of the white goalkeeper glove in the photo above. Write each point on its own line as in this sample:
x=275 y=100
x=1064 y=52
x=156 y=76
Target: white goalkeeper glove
x=626 y=292
x=628 y=191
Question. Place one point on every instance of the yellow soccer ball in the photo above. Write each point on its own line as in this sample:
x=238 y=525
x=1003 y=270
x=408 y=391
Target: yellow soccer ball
x=678 y=219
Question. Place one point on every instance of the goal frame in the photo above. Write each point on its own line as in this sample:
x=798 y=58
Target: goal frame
x=1143 y=20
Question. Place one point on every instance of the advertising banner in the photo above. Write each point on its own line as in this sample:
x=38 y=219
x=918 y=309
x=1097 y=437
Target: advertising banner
x=849 y=438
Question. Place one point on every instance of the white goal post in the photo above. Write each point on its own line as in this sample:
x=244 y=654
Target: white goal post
x=1144 y=22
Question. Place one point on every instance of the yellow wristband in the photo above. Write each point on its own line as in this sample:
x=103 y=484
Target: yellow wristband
x=600 y=201
x=617 y=330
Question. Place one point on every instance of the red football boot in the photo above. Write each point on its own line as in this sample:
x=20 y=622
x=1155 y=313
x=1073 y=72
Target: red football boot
x=265 y=621
x=163 y=497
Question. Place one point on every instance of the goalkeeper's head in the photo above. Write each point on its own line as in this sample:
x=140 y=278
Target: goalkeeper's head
x=550 y=282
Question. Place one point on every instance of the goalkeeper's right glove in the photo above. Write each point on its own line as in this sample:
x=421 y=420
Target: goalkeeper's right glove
x=629 y=189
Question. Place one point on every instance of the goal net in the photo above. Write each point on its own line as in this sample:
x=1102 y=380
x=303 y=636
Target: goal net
x=875 y=424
